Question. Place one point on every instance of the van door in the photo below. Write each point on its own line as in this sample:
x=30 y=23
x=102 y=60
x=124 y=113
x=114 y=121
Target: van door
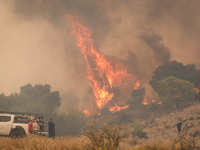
x=5 y=124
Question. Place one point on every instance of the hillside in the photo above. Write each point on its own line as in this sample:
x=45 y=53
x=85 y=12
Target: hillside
x=163 y=127
x=161 y=131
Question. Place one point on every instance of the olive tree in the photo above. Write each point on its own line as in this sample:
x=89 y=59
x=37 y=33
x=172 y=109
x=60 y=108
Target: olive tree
x=175 y=92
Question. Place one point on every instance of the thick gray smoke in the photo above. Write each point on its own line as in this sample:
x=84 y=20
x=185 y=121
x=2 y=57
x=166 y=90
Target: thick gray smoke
x=37 y=46
x=161 y=53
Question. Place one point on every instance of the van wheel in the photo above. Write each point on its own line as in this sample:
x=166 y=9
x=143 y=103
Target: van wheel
x=17 y=134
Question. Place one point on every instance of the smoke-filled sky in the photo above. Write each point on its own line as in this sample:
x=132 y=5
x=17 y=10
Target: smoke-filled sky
x=36 y=45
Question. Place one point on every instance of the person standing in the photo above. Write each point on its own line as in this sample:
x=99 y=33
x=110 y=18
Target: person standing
x=179 y=126
x=30 y=125
x=35 y=127
x=51 y=128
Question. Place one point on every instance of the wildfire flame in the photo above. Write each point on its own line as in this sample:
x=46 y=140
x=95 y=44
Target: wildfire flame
x=102 y=76
x=145 y=102
x=116 y=108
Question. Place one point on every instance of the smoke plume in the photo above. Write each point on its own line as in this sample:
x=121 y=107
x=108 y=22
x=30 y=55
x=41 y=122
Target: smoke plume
x=37 y=46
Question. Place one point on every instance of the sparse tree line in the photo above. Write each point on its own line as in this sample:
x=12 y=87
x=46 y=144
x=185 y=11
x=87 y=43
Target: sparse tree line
x=40 y=99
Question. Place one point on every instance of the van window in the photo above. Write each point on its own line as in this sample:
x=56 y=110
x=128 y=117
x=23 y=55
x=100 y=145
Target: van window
x=5 y=118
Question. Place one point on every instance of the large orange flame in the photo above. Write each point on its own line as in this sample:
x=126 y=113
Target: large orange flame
x=102 y=76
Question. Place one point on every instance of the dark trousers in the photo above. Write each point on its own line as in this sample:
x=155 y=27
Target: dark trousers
x=51 y=134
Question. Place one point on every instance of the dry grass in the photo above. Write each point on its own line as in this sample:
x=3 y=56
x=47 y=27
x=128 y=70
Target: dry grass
x=41 y=143
x=181 y=143
x=156 y=145
x=63 y=143
x=161 y=131
x=164 y=125
x=82 y=143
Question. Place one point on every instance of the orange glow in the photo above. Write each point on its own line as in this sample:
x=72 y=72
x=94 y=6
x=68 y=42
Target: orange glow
x=86 y=112
x=116 y=108
x=145 y=102
x=102 y=76
x=197 y=90
x=137 y=85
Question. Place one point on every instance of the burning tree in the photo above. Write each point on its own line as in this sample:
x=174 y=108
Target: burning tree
x=105 y=77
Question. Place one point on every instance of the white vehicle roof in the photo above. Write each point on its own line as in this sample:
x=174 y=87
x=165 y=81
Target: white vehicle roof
x=2 y=114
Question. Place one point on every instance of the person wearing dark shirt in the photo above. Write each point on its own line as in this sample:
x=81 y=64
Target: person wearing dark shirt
x=51 y=128
x=179 y=125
